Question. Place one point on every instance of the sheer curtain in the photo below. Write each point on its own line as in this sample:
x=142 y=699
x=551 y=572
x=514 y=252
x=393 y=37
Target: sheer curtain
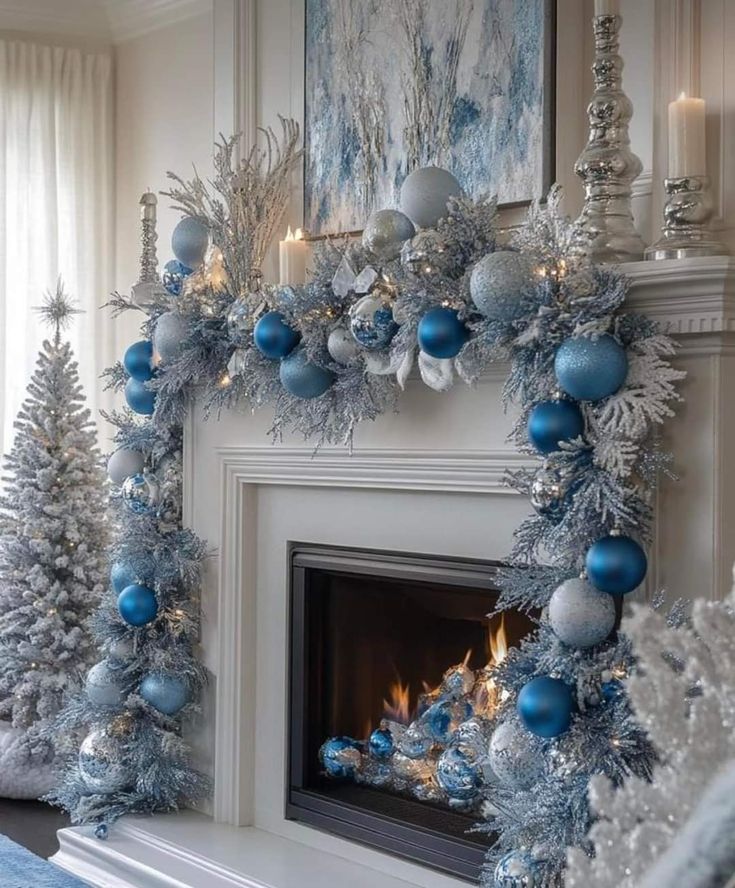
x=56 y=209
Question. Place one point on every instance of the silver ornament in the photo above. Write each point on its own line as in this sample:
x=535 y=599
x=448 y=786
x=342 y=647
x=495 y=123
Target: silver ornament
x=102 y=763
x=343 y=282
x=237 y=362
x=425 y=193
x=123 y=463
x=457 y=681
x=459 y=773
x=517 y=869
x=149 y=294
x=497 y=283
x=342 y=346
x=549 y=491
x=103 y=685
x=371 y=322
x=385 y=233
x=141 y=494
x=425 y=254
x=172 y=330
x=580 y=615
x=515 y=755
x=240 y=321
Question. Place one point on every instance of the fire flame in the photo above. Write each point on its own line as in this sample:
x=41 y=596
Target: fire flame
x=398 y=706
x=497 y=643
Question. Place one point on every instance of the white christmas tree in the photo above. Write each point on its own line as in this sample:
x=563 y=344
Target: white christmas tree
x=53 y=535
x=678 y=829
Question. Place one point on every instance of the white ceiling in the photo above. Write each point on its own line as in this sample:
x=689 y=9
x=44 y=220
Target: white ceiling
x=111 y=20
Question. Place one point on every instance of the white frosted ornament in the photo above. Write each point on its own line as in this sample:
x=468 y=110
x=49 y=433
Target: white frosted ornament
x=341 y=346
x=103 y=685
x=169 y=335
x=123 y=463
x=515 y=755
x=425 y=193
x=580 y=615
x=497 y=282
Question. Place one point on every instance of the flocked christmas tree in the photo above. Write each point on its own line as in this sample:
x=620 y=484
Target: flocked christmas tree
x=53 y=535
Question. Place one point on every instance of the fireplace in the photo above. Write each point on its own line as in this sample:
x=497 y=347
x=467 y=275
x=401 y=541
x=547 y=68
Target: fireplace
x=377 y=639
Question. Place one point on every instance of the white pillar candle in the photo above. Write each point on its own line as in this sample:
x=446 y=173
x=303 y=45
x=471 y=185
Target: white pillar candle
x=292 y=259
x=607 y=7
x=687 y=152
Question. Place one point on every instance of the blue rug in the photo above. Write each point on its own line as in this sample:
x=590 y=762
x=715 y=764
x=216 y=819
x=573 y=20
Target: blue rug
x=21 y=869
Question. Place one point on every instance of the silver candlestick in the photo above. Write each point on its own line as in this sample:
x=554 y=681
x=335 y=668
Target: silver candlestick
x=687 y=213
x=607 y=165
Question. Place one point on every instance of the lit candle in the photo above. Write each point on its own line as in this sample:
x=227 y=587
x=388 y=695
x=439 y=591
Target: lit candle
x=292 y=258
x=607 y=7
x=687 y=155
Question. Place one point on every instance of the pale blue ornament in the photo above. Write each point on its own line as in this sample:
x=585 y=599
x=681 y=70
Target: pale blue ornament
x=591 y=369
x=138 y=567
x=166 y=692
x=371 y=322
x=498 y=282
x=459 y=773
x=425 y=194
x=303 y=379
x=515 y=755
x=517 y=869
x=189 y=242
x=102 y=763
x=123 y=463
x=342 y=346
x=580 y=615
x=104 y=684
x=385 y=233
x=170 y=334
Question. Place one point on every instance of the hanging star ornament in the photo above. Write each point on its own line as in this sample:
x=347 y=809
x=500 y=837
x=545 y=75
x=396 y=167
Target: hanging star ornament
x=58 y=309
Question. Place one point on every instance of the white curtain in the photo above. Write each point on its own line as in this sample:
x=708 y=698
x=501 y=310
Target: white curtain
x=56 y=209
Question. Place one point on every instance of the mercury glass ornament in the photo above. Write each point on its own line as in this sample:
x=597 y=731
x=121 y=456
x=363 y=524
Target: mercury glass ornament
x=515 y=755
x=497 y=283
x=342 y=346
x=425 y=193
x=517 y=869
x=459 y=773
x=371 y=322
x=415 y=741
x=174 y=274
x=140 y=494
x=457 y=681
x=104 y=685
x=381 y=743
x=550 y=490
x=415 y=770
x=102 y=764
x=341 y=756
x=385 y=233
x=425 y=254
x=580 y=615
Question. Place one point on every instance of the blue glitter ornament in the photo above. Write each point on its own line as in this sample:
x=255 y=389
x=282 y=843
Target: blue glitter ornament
x=273 y=337
x=459 y=773
x=174 y=273
x=371 y=322
x=552 y=422
x=139 y=399
x=303 y=379
x=165 y=692
x=381 y=744
x=545 y=706
x=138 y=568
x=189 y=242
x=441 y=334
x=616 y=564
x=137 y=360
x=137 y=605
x=101 y=831
x=340 y=756
x=517 y=869
x=591 y=369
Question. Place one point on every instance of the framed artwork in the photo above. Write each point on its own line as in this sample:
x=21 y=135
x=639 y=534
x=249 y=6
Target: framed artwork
x=391 y=85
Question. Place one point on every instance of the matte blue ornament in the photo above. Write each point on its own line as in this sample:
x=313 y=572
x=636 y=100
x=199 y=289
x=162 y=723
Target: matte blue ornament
x=273 y=337
x=174 y=273
x=139 y=398
x=139 y=568
x=616 y=564
x=101 y=831
x=459 y=773
x=303 y=379
x=137 y=360
x=165 y=692
x=189 y=242
x=340 y=756
x=517 y=869
x=137 y=604
x=552 y=422
x=591 y=369
x=381 y=744
x=545 y=706
x=441 y=334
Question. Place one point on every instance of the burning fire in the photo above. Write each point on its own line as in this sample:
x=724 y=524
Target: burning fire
x=398 y=706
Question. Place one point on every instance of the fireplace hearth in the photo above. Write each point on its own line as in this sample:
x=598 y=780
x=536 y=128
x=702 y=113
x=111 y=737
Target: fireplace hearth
x=384 y=644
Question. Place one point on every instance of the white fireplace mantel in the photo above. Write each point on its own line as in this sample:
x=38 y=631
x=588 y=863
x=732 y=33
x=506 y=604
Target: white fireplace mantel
x=428 y=479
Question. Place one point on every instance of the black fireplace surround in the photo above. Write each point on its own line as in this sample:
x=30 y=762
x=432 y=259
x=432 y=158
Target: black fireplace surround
x=359 y=618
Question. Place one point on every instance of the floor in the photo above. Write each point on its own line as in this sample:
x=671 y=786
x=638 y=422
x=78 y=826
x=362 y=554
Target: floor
x=32 y=824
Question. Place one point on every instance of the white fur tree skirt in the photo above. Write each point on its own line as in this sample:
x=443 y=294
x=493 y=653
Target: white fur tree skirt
x=21 y=778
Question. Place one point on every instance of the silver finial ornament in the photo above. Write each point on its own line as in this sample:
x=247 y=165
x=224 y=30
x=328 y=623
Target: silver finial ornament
x=148 y=238
x=607 y=165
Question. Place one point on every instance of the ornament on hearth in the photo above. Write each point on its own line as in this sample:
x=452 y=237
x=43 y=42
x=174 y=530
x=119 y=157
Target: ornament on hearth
x=273 y=337
x=166 y=692
x=141 y=493
x=123 y=463
x=616 y=564
x=517 y=869
x=425 y=254
x=341 y=756
x=497 y=284
x=342 y=346
x=104 y=684
x=425 y=193
x=189 y=242
x=580 y=615
x=102 y=762
x=170 y=335
x=385 y=233
x=515 y=755
x=137 y=605
x=441 y=333
x=302 y=378
x=459 y=773
x=552 y=423
x=545 y=705
x=137 y=360
x=380 y=744
x=371 y=321
x=174 y=274
x=591 y=369
x=550 y=490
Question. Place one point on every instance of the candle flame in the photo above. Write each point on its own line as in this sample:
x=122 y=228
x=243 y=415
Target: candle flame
x=682 y=95
x=289 y=234
x=294 y=235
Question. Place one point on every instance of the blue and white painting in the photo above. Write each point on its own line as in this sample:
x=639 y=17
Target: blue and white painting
x=396 y=84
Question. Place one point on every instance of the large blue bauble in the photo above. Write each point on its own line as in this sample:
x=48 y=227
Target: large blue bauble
x=273 y=337
x=498 y=282
x=139 y=399
x=616 y=564
x=441 y=334
x=303 y=379
x=545 y=706
x=340 y=756
x=551 y=422
x=381 y=744
x=165 y=691
x=137 y=604
x=138 y=568
x=173 y=276
x=372 y=323
x=137 y=360
x=591 y=369
x=459 y=773
x=189 y=242
x=517 y=869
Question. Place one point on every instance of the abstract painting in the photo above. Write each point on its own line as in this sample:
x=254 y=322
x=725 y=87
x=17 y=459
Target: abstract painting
x=396 y=84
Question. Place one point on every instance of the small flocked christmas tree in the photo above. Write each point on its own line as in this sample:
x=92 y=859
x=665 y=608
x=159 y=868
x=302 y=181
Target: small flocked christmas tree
x=52 y=559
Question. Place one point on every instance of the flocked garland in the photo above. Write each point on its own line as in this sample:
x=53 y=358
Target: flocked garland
x=450 y=299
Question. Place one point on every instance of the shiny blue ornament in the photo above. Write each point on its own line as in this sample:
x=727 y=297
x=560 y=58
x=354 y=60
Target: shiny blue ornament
x=552 y=422
x=459 y=773
x=616 y=564
x=437 y=720
x=517 y=869
x=273 y=337
x=340 y=756
x=137 y=360
x=165 y=692
x=591 y=369
x=174 y=273
x=303 y=379
x=381 y=744
x=611 y=690
x=441 y=334
x=139 y=399
x=139 y=568
x=137 y=604
x=101 y=831
x=371 y=322
x=545 y=706
x=189 y=242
